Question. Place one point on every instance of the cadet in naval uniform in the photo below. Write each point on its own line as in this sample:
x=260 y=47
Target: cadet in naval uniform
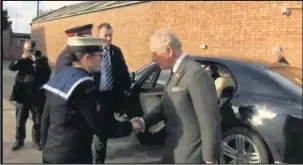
x=83 y=30
x=71 y=115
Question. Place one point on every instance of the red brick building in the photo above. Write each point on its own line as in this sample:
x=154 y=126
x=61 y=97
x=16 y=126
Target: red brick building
x=13 y=44
x=236 y=29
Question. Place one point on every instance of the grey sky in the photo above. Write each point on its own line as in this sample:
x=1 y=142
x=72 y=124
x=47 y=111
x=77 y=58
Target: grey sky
x=22 y=12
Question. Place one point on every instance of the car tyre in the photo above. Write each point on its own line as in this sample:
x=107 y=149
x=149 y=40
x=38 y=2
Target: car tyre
x=254 y=137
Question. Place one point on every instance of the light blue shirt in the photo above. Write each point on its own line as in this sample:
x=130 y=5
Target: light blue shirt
x=103 y=79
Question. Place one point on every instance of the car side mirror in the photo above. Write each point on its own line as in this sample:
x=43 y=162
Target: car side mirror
x=132 y=76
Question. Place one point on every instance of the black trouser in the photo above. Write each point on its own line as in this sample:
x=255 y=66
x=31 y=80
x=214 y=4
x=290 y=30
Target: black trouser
x=99 y=150
x=37 y=114
x=99 y=147
x=22 y=114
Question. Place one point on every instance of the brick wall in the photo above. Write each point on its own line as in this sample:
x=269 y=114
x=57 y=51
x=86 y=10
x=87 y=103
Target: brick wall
x=11 y=49
x=6 y=43
x=238 y=29
x=16 y=50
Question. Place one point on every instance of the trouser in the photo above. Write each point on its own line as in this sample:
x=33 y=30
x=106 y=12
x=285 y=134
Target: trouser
x=99 y=150
x=107 y=108
x=37 y=115
x=22 y=114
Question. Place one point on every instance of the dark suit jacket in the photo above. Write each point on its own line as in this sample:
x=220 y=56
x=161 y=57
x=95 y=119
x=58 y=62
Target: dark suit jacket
x=24 y=81
x=191 y=114
x=121 y=78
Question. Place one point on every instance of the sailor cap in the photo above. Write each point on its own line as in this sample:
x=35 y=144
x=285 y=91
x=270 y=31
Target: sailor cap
x=84 y=44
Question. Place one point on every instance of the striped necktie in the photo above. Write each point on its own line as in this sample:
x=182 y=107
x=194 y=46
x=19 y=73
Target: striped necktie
x=108 y=70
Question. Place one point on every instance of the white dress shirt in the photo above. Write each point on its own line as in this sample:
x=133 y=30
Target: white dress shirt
x=178 y=62
x=175 y=67
x=103 y=78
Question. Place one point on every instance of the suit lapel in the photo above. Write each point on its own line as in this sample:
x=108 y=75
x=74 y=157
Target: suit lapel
x=176 y=77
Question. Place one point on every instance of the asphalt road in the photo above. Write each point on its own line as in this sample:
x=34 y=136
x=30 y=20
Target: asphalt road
x=122 y=150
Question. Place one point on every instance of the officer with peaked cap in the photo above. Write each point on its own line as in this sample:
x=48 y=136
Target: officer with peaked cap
x=75 y=31
x=72 y=115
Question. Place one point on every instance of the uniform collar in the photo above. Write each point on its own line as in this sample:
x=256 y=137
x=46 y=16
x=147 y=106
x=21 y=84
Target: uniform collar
x=178 y=62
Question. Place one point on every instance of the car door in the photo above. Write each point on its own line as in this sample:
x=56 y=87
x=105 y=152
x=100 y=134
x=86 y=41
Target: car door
x=149 y=93
x=152 y=89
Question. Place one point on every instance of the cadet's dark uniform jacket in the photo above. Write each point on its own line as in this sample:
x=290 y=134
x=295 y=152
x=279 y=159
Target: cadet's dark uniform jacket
x=70 y=117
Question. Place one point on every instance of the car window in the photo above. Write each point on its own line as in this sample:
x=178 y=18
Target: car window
x=292 y=74
x=287 y=79
x=147 y=82
x=142 y=71
x=163 y=77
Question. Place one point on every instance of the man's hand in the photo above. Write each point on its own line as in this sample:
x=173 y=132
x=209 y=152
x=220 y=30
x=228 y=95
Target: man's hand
x=137 y=124
x=120 y=117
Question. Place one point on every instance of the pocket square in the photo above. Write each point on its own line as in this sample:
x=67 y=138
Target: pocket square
x=176 y=89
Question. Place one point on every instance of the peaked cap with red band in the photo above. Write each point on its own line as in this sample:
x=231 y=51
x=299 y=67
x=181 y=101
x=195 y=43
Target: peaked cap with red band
x=79 y=30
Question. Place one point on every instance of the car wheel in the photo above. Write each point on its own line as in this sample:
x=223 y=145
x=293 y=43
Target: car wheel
x=151 y=139
x=242 y=145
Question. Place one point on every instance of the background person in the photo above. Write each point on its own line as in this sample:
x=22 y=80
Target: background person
x=113 y=80
x=23 y=91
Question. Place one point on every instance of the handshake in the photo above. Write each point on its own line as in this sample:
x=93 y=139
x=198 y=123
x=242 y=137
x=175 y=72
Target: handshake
x=138 y=124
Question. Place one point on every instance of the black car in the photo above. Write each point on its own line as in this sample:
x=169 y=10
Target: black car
x=261 y=108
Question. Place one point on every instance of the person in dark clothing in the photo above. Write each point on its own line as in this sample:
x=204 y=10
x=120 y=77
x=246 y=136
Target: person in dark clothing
x=113 y=81
x=72 y=115
x=42 y=75
x=23 y=91
x=83 y=30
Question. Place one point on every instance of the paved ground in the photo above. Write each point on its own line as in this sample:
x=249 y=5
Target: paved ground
x=123 y=150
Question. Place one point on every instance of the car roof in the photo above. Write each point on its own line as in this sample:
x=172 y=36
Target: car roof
x=233 y=61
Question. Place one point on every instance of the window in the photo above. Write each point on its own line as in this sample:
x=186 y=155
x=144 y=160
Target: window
x=292 y=74
x=142 y=71
x=21 y=42
x=147 y=82
x=290 y=79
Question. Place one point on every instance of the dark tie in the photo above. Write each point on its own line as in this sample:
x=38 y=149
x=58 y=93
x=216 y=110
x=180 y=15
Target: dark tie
x=108 y=70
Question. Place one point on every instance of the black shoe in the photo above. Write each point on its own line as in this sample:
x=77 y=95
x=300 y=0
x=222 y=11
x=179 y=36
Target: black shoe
x=17 y=146
x=38 y=147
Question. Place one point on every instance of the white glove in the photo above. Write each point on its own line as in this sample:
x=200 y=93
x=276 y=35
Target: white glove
x=120 y=118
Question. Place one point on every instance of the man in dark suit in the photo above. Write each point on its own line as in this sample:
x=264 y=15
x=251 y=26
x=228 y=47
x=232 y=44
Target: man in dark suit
x=189 y=105
x=62 y=59
x=24 y=91
x=113 y=80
